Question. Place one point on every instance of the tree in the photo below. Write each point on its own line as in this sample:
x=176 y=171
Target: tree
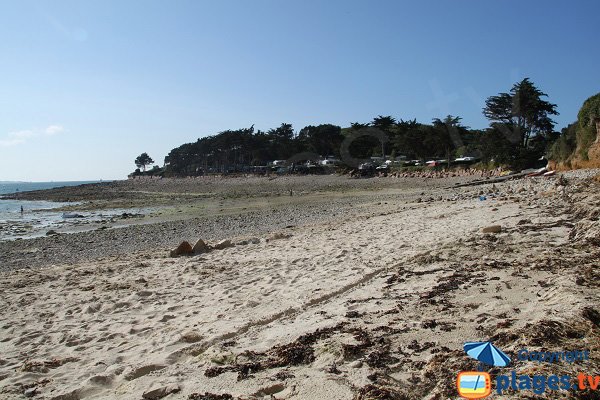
x=448 y=133
x=522 y=111
x=410 y=139
x=323 y=139
x=385 y=123
x=281 y=140
x=588 y=120
x=143 y=160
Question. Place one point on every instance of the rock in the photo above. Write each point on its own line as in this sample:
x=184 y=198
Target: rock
x=51 y=232
x=159 y=393
x=102 y=380
x=492 y=229
x=356 y=364
x=223 y=244
x=184 y=249
x=30 y=392
x=277 y=236
x=191 y=337
x=200 y=247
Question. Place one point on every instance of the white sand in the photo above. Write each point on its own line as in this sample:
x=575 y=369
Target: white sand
x=144 y=321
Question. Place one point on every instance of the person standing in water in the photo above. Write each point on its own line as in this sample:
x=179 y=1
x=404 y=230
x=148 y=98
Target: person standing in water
x=21 y=210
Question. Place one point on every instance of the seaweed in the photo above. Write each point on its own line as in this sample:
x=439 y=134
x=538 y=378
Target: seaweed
x=299 y=352
x=373 y=392
x=210 y=396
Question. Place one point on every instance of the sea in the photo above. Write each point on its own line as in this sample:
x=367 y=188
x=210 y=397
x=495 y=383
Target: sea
x=13 y=187
x=37 y=216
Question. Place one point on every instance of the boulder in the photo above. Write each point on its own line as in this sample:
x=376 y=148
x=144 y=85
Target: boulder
x=184 y=249
x=223 y=244
x=200 y=247
x=159 y=393
x=492 y=229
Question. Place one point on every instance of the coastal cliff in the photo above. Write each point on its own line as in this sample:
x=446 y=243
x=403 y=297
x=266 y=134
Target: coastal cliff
x=579 y=144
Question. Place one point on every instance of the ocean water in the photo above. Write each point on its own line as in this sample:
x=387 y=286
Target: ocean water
x=13 y=187
x=37 y=216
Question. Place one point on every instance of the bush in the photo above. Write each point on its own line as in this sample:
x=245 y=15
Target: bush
x=586 y=118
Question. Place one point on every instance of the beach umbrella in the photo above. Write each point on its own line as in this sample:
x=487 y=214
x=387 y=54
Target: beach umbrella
x=487 y=353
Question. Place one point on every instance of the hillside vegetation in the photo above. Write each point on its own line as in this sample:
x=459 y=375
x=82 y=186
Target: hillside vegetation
x=578 y=146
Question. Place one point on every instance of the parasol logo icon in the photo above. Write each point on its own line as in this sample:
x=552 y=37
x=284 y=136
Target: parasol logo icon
x=487 y=353
x=478 y=384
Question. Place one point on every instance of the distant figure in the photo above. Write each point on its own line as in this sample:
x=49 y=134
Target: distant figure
x=21 y=210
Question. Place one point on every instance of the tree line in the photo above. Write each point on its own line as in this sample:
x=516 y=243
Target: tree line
x=521 y=131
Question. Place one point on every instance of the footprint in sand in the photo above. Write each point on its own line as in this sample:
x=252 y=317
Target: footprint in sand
x=102 y=380
x=167 y=317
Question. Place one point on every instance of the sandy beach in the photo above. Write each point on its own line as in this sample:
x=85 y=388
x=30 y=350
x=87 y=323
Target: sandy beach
x=341 y=289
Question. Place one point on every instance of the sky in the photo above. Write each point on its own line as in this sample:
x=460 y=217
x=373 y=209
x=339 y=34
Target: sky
x=86 y=86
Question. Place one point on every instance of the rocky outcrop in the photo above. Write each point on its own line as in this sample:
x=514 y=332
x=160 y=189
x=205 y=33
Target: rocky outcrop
x=184 y=249
x=201 y=247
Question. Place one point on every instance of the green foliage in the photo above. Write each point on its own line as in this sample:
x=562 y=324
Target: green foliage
x=143 y=160
x=236 y=150
x=589 y=112
x=588 y=116
x=520 y=132
x=522 y=109
x=324 y=139
x=565 y=145
x=578 y=136
x=496 y=147
x=220 y=153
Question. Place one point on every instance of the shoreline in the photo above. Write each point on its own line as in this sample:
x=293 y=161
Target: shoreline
x=210 y=208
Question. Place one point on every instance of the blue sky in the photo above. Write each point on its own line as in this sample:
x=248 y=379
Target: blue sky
x=89 y=85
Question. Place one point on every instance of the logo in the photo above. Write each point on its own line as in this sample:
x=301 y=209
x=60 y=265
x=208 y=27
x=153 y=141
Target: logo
x=474 y=385
x=478 y=384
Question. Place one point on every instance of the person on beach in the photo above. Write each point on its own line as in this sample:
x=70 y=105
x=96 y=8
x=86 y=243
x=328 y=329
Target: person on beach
x=21 y=210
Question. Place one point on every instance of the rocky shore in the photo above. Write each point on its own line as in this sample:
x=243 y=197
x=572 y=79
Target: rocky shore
x=211 y=207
